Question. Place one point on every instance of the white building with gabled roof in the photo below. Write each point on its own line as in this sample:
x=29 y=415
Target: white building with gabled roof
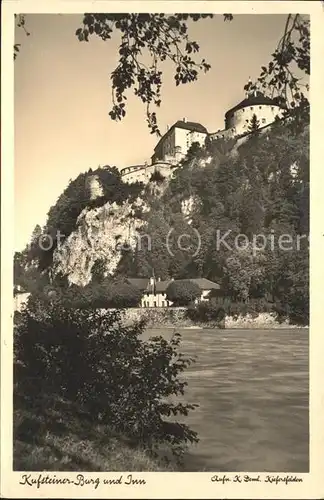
x=176 y=142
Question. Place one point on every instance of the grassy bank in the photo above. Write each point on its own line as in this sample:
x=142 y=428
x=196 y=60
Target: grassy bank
x=57 y=436
x=91 y=395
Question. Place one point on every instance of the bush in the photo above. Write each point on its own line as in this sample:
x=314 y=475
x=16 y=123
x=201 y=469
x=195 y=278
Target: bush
x=214 y=311
x=91 y=359
x=206 y=312
x=96 y=295
x=296 y=310
x=253 y=307
x=124 y=294
x=157 y=177
x=182 y=292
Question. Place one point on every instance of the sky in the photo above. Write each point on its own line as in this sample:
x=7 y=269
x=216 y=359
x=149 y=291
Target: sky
x=63 y=96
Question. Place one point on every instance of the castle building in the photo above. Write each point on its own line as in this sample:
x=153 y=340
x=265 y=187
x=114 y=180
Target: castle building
x=174 y=145
x=238 y=118
x=136 y=173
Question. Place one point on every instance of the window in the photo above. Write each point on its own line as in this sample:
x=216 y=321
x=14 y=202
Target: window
x=263 y=120
x=155 y=303
x=251 y=108
x=260 y=107
x=162 y=303
x=247 y=121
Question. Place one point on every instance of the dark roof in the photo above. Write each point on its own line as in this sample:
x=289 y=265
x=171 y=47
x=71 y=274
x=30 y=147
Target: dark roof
x=161 y=286
x=143 y=284
x=205 y=284
x=253 y=100
x=140 y=283
x=193 y=126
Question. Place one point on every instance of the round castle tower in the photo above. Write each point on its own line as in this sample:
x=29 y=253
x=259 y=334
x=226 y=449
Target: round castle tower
x=255 y=103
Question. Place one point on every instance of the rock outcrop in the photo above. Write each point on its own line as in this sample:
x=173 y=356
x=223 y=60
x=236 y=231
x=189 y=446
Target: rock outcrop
x=100 y=234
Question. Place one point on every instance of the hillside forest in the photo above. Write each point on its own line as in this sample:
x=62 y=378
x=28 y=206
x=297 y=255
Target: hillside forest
x=260 y=187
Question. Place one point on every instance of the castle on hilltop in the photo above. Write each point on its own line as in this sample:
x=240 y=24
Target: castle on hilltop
x=173 y=146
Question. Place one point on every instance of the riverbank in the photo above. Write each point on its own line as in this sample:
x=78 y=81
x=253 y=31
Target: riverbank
x=59 y=437
x=175 y=317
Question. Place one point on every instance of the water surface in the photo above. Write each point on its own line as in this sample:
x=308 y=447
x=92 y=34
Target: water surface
x=252 y=388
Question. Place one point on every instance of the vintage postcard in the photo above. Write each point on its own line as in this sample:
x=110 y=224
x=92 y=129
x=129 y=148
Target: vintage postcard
x=161 y=249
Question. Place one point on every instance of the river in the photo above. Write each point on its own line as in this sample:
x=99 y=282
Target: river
x=252 y=388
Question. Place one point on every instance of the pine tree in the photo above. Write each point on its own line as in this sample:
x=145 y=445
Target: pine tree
x=254 y=125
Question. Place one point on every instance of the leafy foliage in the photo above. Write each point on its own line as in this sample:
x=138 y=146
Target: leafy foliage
x=101 y=292
x=157 y=177
x=62 y=217
x=207 y=312
x=182 y=292
x=20 y=23
x=254 y=125
x=153 y=37
x=160 y=37
x=132 y=380
x=279 y=78
x=260 y=187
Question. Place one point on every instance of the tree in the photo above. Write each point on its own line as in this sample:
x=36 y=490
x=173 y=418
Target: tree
x=279 y=79
x=155 y=36
x=63 y=215
x=122 y=294
x=27 y=275
x=151 y=254
x=122 y=381
x=258 y=187
x=162 y=37
x=98 y=271
x=20 y=23
x=100 y=293
x=254 y=125
x=244 y=272
x=289 y=52
x=126 y=266
x=166 y=37
x=182 y=292
x=157 y=177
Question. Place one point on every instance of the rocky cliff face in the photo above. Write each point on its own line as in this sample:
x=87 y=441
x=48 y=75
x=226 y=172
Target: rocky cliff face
x=100 y=234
